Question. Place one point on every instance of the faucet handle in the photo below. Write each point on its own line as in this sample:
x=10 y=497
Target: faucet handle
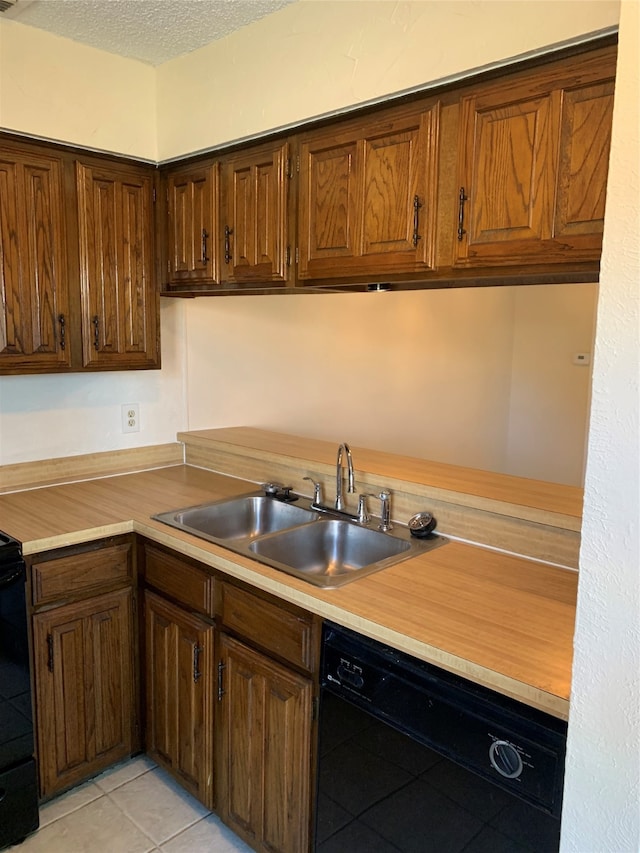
x=363 y=513
x=384 y=496
x=317 y=490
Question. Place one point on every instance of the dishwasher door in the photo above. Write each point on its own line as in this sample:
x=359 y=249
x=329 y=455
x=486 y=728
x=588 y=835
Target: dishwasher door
x=415 y=760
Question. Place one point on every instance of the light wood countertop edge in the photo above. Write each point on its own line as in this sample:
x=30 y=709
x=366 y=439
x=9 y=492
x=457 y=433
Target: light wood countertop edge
x=292 y=591
x=68 y=469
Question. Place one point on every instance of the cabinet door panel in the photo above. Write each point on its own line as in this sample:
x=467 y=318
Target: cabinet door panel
x=255 y=189
x=84 y=687
x=119 y=300
x=510 y=177
x=584 y=163
x=68 y=704
x=179 y=659
x=243 y=737
x=192 y=226
x=329 y=198
x=533 y=161
x=265 y=750
x=33 y=273
x=109 y=654
x=391 y=167
x=287 y=747
x=368 y=196
x=14 y=329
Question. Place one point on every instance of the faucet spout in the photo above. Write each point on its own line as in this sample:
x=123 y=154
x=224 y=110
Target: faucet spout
x=344 y=448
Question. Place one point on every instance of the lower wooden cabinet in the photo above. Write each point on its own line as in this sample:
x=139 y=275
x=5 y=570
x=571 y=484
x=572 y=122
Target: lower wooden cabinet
x=179 y=694
x=264 y=724
x=85 y=691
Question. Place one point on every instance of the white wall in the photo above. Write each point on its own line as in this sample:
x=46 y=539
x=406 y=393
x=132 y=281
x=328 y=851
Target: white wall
x=317 y=56
x=45 y=417
x=450 y=375
x=602 y=791
x=549 y=404
x=58 y=89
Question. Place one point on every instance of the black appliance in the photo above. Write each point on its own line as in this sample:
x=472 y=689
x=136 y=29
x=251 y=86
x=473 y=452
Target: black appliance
x=18 y=777
x=415 y=759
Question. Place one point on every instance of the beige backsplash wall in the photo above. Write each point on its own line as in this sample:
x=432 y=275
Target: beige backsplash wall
x=478 y=377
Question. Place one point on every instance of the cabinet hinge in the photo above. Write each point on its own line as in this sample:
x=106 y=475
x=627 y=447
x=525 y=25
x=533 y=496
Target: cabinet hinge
x=154 y=195
x=288 y=172
x=297 y=255
x=298 y=163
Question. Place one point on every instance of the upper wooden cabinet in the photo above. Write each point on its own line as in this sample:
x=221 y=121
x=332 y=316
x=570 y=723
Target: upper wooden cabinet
x=532 y=165
x=255 y=193
x=77 y=261
x=192 y=226
x=367 y=195
x=33 y=275
x=119 y=309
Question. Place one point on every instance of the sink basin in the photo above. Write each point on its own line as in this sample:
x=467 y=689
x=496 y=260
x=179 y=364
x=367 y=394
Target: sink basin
x=295 y=538
x=238 y=518
x=330 y=550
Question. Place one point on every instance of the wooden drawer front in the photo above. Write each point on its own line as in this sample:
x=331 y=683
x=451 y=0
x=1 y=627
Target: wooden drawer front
x=81 y=574
x=285 y=634
x=185 y=583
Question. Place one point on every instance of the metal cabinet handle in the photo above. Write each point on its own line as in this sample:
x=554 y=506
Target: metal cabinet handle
x=204 y=257
x=221 y=668
x=50 y=652
x=96 y=332
x=417 y=204
x=461 y=200
x=227 y=244
x=63 y=331
x=197 y=675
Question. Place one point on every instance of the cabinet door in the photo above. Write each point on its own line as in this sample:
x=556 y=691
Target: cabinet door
x=192 y=226
x=179 y=660
x=368 y=196
x=264 y=778
x=33 y=272
x=533 y=162
x=585 y=140
x=84 y=687
x=119 y=297
x=255 y=192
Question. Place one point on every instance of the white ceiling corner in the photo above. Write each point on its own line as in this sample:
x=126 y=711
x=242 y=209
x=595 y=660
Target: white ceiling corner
x=151 y=31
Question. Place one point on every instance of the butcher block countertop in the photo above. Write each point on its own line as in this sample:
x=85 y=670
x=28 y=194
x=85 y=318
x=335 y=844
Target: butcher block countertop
x=502 y=621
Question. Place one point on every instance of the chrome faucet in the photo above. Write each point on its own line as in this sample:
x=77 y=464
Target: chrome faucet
x=350 y=475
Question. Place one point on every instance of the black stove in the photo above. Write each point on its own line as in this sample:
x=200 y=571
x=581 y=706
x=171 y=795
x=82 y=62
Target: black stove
x=18 y=777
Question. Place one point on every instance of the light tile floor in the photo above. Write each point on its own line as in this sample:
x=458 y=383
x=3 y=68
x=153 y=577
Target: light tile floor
x=134 y=807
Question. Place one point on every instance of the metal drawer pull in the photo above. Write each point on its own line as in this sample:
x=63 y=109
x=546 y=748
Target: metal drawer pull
x=204 y=246
x=227 y=244
x=461 y=200
x=50 y=652
x=197 y=675
x=63 y=331
x=96 y=332
x=221 y=667
x=416 y=217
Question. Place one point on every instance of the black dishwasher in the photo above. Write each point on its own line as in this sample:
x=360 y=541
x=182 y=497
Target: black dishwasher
x=18 y=778
x=415 y=759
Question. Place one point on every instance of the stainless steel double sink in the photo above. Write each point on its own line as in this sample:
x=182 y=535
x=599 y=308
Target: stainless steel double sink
x=294 y=538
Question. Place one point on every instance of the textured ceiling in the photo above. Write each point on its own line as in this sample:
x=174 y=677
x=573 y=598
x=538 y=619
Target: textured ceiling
x=151 y=31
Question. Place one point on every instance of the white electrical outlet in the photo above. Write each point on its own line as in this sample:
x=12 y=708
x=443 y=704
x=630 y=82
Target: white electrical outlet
x=131 y=417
